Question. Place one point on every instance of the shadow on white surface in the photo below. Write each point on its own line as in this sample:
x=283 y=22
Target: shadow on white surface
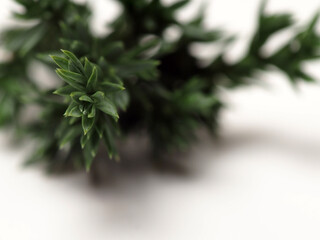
x=250 y=185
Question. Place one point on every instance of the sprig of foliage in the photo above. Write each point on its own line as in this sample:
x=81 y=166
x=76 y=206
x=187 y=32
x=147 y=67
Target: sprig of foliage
x=289 y=58
x=91 y=98
x=133 y=78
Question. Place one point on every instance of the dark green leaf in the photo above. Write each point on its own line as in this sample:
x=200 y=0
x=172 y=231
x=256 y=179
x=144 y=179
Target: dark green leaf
x=105 y=105
x=112 y=87
x=109 y=140
x=88 y=157
x=70 y=81
x=92 y=82
x=65 y=91
x=76 y=96
x=75 y=112
x=88 y=68
x=92 y=113
x=61 y=62
x=86 y=98
x=74 y=76
x=75 y=60
x=71 y=106
x=84 y=139
x=87 y=124
x=70 y=135
x=122 y=100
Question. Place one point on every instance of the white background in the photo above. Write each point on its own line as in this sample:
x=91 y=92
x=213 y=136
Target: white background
x=261 y=181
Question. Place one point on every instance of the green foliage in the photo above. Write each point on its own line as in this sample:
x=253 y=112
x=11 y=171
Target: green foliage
x=289 y=59
x=133 y=78
x=91 y=99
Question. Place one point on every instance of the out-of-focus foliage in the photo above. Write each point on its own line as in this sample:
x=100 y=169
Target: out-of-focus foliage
x=131 y=79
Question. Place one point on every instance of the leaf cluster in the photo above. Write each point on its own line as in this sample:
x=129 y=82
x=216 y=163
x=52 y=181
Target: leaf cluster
x=134 y=78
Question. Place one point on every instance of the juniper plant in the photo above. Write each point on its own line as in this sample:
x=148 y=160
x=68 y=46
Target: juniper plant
x=132 y=78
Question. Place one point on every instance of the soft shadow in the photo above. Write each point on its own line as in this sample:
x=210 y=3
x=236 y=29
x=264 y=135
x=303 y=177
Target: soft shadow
x=303 y=148
x=137 y=163
x=137 y=160
x=128 y=192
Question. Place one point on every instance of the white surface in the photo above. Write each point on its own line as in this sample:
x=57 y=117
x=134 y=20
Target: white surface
x=262 y=181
